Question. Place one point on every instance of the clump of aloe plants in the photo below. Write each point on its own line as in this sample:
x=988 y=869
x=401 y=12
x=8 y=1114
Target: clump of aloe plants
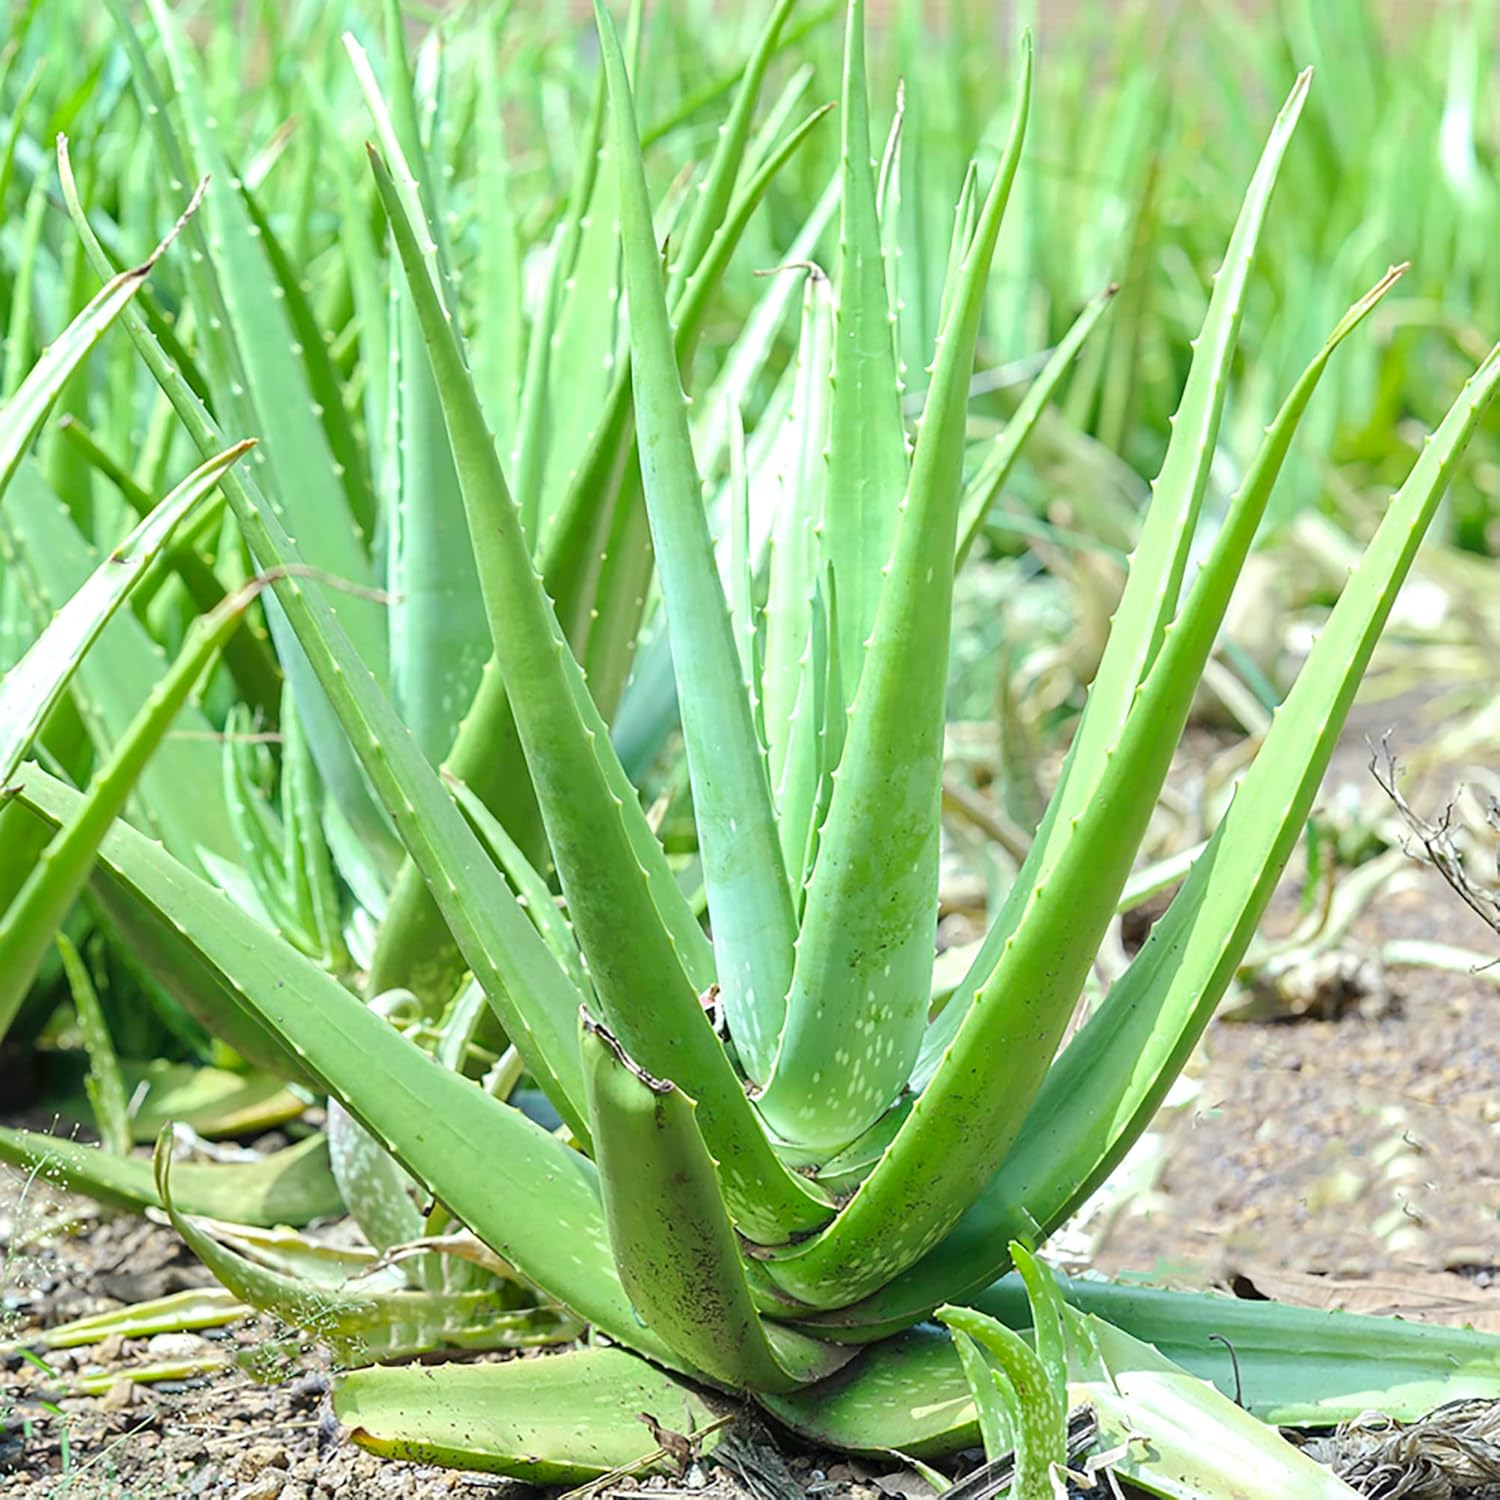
x=754 y=1155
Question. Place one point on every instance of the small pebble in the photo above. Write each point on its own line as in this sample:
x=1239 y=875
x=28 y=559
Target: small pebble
x=168 y=1346
x=262 y=1456
x=267 y=1487
x=120 y=1395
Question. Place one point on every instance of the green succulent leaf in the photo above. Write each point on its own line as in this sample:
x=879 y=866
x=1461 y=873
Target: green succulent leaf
x=29 y=689
x=566 y=1419
x=358 y=1323
x=1032 y=1396
x=336 y=761
x=749 y=901
x=436 y=1123
x=1181 y=1437
x=671 y=1234
x=1160 y=556
x=634 y=924
x=290 y=1186
x=867 y=453
x=1168 y=994
x=29 y=923
x=1298 y=1365
x=862 y=980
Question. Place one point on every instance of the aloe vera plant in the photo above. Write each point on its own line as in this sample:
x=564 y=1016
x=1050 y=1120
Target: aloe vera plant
x=759 y=1149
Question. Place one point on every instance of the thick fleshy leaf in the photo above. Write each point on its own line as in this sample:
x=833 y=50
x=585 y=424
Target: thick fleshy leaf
x=501 y=946
x=531 y=890
x=212 y=1102
x=608 y=860
x=439 y=638
x=30 y=688
x=749 y=901
x=564 y=1419
x=1160 y=557
x=291 y=1186
x=247 y=656
x=294 y=451
x=360 y=816
x=1298 y=1366
x=360 y=1323
x=28 y=924
x=1180 y=1437
x=789 y=676
x=862 y=980
x=670 y=1233
x=1166 y=997
x=531 y=1198
x=867 y=455
x=1035 y=1406
x=969 y=1114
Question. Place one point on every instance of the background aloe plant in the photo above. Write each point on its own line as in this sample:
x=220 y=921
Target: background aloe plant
x=747 y=1148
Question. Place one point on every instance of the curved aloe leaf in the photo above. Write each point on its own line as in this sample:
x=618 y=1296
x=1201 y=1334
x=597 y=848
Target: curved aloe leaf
x=1139 y=1039
x=380 y=1195
x=749 y=901
x=1298 y=1366
x=531 y=995
x=361 y=1324
x=439 y=636
x=1035 y=1404
x=31 y=687
x=28 y=925
x=292 y=1186
x=565 y=1419
x=248 y=655
x=547 y=692
x=243 y=327
x=295 y=451
x=713 y=197
x=991 y=1414
x=1180 y=1437
x=531 y=1198
x=863 y=972
x=670 y=1233
x=213 y=1102
x=908 y=1393
x=633 y=922
x=969 y=1114
x=1161 y=552
x=867 y=454
x=792 y=568
x=414 y=949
